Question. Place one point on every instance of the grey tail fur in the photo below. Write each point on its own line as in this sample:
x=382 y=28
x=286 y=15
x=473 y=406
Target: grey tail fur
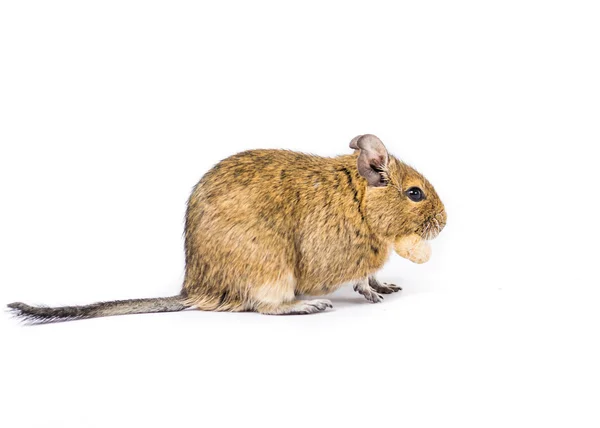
x=43 y=314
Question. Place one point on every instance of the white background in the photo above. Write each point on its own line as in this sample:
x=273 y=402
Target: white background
x=111 y=111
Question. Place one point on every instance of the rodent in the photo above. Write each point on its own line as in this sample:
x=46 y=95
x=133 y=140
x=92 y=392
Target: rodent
x=265 y=226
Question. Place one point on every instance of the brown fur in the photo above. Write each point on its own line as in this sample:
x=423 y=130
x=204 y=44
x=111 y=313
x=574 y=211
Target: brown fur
x=265 y=226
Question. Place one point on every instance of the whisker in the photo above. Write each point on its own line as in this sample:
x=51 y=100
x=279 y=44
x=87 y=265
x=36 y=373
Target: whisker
x=438 y=227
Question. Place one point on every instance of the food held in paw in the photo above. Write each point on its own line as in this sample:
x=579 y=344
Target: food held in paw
x=413 y=248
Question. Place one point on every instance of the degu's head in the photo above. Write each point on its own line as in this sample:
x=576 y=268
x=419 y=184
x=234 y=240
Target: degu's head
x=400 y=201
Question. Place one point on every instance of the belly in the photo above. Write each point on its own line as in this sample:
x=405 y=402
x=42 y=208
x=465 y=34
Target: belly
x=319 y=275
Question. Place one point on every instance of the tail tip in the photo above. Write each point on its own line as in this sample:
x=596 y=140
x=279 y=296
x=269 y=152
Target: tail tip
x=22 y=312
x=18 y=306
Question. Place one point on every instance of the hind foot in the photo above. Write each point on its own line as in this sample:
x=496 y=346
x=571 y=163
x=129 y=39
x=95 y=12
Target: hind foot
x=299 y=307
x=383 y=287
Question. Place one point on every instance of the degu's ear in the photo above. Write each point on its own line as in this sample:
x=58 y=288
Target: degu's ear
x=372 y=160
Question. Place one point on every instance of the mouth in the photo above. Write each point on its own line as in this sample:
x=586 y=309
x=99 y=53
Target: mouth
x=432 y=227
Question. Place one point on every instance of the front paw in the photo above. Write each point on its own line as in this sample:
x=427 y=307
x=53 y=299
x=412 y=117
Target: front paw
x=383 y=287
x=369 y=293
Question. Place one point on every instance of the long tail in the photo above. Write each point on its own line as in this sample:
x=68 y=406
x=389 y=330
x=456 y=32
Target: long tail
x=42 y=314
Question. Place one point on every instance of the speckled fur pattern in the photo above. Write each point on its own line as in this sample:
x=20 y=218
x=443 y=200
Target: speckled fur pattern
x=266 y=226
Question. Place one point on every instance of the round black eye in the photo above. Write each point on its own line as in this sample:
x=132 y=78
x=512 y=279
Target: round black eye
x=415 y=194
